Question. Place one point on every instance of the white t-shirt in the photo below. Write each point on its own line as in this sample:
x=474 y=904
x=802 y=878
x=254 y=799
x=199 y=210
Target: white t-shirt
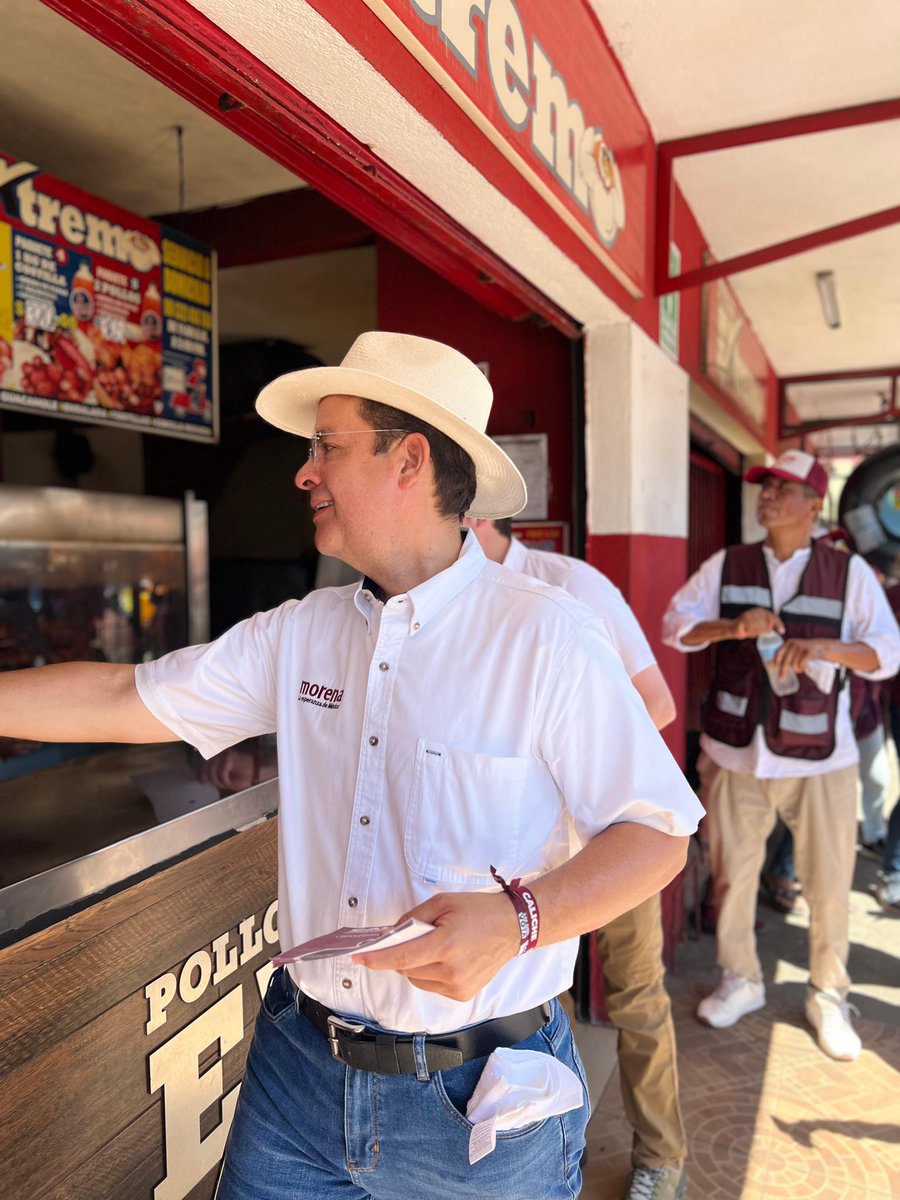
x=867 y=618
x=467 y=723
x=593 y=589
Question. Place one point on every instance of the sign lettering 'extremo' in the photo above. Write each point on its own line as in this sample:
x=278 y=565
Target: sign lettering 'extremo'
x=105 y=317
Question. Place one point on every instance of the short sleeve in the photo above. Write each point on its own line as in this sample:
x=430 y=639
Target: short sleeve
x=215 y=695
x=603 y=749
x=603 y=598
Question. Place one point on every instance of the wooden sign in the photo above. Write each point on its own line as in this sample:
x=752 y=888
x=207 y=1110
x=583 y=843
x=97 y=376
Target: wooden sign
x=126 y=1029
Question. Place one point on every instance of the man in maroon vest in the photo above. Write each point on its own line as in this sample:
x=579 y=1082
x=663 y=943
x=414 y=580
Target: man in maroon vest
x=781 y=742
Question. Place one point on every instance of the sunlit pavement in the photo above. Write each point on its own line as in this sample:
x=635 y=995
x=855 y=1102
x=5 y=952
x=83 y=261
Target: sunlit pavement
x=768 y=1115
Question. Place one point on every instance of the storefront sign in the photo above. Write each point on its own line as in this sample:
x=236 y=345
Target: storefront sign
x=174 y=1068
x=542 y=84
x=543 y=535
x=732 y=358
x=105 y=317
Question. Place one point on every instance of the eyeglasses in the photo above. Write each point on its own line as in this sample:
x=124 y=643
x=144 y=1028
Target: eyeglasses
x=326 y=433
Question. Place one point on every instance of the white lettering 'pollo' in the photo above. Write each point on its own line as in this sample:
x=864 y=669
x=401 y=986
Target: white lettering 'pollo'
x=209 y=966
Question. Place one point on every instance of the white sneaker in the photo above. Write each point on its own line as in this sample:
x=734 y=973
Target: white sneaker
x=733 y=998
x=829 y=1016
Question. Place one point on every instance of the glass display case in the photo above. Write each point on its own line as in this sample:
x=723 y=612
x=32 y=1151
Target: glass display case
x=107 y=578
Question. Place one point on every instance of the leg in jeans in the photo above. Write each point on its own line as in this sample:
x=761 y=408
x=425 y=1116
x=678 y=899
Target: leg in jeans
x=782 y=865
x=308 y=1128
x=821 y=813
x=892 y=842
x=875 y=777
x=631 y=952
x=741 y=816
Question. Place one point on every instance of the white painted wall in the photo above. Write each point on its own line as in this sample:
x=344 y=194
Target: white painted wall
x=637 y=425
x=638 y=434
x=297 y=43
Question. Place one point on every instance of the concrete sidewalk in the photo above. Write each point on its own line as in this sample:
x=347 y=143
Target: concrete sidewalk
x=768 y=1115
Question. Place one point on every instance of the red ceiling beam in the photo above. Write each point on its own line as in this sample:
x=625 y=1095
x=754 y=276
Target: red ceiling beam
x=282 y=225
x=749 y=135
x=173 y=42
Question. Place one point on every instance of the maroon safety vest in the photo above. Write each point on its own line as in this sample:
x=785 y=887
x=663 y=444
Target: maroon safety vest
x=740 y=698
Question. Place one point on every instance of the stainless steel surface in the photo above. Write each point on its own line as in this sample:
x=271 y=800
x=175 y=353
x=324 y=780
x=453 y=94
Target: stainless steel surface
x=66 y=514
x=53 y=565
x=196 y=539
x=63 y=886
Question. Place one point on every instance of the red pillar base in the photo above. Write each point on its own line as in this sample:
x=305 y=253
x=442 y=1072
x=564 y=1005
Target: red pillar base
x=648 y=569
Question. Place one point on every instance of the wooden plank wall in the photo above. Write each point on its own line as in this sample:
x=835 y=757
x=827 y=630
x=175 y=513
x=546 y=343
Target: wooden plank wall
x=78 y=1118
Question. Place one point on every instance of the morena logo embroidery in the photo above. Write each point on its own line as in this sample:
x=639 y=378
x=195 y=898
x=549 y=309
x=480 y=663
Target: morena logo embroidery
x=320 y=694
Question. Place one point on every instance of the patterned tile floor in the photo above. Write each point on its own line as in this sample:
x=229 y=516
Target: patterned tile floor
x=767 y=1114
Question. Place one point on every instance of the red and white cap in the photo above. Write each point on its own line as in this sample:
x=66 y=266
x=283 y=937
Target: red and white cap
x=793 y=464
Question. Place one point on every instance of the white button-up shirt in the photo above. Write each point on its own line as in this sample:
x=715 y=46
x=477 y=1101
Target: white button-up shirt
x=474 y=720
x=867 y=618
x=593 y=589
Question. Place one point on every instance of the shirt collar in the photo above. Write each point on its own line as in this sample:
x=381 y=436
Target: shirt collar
x=430 y=598
x=516 y=555
x=803 y=553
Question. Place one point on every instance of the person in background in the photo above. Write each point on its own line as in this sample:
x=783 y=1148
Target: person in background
x=436 y=761
x=776 y=745
x=887 y=892
x=631 y=946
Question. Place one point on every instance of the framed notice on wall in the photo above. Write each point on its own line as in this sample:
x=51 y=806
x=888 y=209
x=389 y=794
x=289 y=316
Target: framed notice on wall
x=531 y=455
x=105 y=317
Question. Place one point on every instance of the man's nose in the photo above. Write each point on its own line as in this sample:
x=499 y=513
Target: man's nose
x=306 y=478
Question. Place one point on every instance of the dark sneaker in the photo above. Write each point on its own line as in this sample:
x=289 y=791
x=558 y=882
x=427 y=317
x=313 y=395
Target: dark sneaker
x=656 y=1183
x=873 y=850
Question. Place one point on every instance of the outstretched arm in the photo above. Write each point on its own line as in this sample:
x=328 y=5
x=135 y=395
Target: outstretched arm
x=77 y=702
x=478 y=932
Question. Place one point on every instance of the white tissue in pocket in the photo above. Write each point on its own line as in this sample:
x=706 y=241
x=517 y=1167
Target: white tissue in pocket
x=516 y=1088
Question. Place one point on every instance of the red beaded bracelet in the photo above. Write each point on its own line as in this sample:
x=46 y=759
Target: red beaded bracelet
x=526 y=909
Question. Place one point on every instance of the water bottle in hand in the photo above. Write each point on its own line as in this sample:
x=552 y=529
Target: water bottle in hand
x=767 y=644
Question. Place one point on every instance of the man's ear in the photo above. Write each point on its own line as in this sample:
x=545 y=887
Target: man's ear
x=415 y=456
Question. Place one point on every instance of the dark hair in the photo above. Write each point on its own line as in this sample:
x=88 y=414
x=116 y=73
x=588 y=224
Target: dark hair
x=504 y=526
x=454 y=471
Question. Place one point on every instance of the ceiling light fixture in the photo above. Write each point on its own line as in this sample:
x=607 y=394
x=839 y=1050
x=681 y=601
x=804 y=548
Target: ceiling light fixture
x=828 y=296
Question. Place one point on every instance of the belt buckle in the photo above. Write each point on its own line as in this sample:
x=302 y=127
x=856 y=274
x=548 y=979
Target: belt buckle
x=338 y=1023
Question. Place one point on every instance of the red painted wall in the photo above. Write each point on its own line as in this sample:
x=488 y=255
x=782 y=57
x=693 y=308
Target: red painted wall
x=648 y=570
x=529 y=367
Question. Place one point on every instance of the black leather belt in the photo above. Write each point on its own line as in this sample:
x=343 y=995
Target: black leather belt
x=392 y=1053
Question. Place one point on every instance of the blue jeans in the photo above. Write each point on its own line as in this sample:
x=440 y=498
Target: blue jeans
x=892 y=840
x=307 y=1126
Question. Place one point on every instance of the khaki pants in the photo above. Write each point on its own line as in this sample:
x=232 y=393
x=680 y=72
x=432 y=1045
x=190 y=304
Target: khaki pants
x=630 y=949
x=820 y=811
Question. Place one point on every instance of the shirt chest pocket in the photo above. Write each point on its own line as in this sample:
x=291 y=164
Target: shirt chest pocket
x=464 y=814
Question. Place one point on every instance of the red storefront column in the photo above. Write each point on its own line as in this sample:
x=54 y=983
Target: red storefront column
x=637 y=451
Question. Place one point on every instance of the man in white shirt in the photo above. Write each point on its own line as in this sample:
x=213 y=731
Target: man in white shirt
x=437 y=722
x=781 y=743
x=630 y=946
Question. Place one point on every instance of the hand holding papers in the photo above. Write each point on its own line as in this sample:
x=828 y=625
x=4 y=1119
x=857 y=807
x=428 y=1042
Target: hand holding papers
x=347 y=940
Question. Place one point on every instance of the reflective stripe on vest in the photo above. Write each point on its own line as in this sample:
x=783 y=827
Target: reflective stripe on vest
x=735 y=705
x=810 y=726
x=754 y=597
x=815 y=606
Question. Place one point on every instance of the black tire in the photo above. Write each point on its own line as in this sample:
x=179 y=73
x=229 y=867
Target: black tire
x=864 y=492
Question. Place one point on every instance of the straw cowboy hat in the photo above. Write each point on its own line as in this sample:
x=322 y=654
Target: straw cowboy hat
x=427 y=379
